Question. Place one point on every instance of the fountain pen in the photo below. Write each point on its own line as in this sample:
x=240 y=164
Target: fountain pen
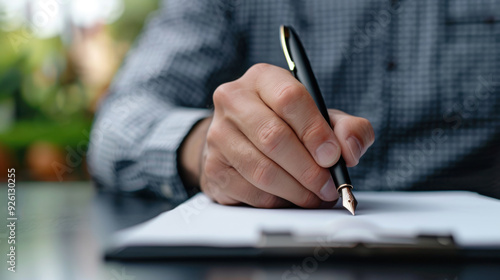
x=300 y=67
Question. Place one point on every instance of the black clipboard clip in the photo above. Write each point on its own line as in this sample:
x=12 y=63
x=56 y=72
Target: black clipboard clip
x=287 y=244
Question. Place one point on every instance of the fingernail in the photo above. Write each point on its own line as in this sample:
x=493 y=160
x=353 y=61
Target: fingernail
x=329 y=192
x=327 y=153
x=355 y=148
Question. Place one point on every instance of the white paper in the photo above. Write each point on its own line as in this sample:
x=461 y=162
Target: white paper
x=472 y=219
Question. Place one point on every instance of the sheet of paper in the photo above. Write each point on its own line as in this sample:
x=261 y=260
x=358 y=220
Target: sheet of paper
x=472 y=219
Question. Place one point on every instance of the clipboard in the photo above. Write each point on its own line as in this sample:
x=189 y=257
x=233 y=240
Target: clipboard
x=141 y=243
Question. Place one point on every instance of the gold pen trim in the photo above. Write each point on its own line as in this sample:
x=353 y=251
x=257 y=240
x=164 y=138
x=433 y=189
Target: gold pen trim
x=283 y=35
x=343 y=186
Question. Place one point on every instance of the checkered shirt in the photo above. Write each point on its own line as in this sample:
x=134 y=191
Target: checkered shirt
x=425 y=73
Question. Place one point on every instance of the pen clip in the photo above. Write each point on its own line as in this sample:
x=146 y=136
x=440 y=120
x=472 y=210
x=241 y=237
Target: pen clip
x=284 y=35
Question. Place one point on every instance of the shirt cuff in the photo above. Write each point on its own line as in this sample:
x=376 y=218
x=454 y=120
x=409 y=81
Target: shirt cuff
x=159 y=154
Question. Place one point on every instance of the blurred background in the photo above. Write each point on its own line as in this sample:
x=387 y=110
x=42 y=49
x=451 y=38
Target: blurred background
x=57 y=59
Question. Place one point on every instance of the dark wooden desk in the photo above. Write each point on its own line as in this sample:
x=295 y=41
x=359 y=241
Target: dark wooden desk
x=63 y=228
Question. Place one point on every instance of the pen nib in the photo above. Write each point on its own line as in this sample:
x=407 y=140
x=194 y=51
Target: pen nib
x=348 y=200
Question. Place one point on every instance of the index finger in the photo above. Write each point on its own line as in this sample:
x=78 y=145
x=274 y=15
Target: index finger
x=290 y=100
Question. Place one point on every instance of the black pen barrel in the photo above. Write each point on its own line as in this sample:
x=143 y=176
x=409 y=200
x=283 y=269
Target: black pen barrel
x=303 y=72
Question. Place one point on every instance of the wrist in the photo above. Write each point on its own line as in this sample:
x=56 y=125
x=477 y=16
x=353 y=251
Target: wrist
x=190 y=153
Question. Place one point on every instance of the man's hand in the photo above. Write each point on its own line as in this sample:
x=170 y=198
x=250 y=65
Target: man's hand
x=268 y=145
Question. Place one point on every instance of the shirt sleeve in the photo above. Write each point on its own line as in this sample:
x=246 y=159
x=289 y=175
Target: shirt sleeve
x=164 y=87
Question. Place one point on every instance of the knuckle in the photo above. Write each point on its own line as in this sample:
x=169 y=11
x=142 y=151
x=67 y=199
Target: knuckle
x=288 y=95
x=270 y=134
x=259 y=68
x=370 y=132
x=315 y=132
x=222 y=94
x=364 y=123
x=210 y=190
x=358 y=122
x=310 y=177
x=345 y=124
x=216 y=173
x=264 y=173
x=211 y=170
x=366 y=130
x=214 y=134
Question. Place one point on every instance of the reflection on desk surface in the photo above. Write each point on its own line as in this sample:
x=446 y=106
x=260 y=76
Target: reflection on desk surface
x=62 y=229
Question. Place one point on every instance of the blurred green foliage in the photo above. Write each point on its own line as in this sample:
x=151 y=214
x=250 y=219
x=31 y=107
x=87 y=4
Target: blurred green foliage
x=130 y=24
x=41 y=99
